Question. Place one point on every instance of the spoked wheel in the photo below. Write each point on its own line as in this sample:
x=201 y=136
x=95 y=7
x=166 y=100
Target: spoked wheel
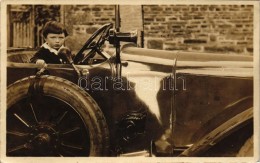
x=46 y=126
x=56 y=119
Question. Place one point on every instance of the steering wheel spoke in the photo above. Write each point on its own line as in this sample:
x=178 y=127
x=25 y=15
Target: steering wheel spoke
x=91 y=43
x=87 y=56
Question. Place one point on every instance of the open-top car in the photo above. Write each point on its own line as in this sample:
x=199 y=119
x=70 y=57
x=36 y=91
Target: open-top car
x=129 y=101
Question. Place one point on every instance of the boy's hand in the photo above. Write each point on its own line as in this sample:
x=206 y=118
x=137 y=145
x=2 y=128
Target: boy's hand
x=65 y=54
x=40 y=62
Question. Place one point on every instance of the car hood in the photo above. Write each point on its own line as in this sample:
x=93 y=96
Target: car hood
x=225 y=65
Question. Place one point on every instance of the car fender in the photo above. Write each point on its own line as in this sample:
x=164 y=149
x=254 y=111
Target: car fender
x=239 y=114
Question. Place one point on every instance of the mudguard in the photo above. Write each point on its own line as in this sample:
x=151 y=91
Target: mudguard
x=234 y=116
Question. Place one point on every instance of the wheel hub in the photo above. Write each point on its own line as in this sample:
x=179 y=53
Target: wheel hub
x=44 y=138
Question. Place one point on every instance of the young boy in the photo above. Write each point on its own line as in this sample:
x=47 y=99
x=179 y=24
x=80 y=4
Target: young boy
x=54 y=35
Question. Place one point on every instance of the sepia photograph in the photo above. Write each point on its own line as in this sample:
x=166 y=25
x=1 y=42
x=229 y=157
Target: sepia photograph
x=164 y=80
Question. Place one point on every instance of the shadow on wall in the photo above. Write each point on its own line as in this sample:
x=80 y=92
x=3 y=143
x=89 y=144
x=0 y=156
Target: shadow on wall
x=80 y=34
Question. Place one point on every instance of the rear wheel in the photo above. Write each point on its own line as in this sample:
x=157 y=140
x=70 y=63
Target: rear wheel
x=54 y=118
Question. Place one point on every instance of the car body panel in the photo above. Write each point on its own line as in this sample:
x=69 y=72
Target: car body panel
x=179 y=91
x=214 y=78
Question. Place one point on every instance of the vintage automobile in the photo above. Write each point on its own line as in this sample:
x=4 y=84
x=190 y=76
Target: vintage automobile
x=129 y=101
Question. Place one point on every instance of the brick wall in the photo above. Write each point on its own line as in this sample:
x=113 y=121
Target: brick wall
x=206 y=28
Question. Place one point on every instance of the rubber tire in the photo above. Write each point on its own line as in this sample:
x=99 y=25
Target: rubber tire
x=80 y=100
x=247 y=149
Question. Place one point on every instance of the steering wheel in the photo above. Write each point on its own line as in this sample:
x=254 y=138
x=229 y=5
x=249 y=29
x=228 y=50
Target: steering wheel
x=93 y=44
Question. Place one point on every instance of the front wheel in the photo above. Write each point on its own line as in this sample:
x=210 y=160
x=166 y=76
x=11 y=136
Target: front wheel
x=50 y=116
